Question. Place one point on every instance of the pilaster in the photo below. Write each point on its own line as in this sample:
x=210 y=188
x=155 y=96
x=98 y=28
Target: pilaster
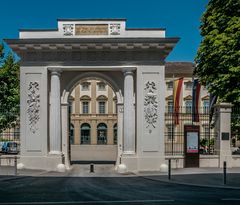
x=93 y=132
x=110 y=101
x=77 y=100
x=93 y=97
x=223 y=125
x=110 y=133
x=77 y=134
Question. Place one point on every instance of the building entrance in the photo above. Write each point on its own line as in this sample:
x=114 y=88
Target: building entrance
x=54 y=61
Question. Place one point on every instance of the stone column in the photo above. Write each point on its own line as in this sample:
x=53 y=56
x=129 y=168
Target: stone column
x=65 y=134
x=55 y=114
x=223 y=125
x=129 y=115
x=120 y=131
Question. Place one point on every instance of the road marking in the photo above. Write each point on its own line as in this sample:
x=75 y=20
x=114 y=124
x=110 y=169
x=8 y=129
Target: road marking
x=231 y=199
x=88 y=202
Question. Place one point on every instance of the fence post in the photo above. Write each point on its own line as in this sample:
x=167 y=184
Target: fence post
x=91 y=168
x=15 y=165
x=224 y=172
x=169 y=169
x=223 y=125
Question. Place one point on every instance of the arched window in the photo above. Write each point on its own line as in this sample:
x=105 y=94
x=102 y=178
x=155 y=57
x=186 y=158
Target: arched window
x=85 y=133
x=71 y=133
x=102 y=133
x=115 y=133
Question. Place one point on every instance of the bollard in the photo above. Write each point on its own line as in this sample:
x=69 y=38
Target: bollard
x=224 y=172
x=91 y=168
x=169 y=169
x=15 y=166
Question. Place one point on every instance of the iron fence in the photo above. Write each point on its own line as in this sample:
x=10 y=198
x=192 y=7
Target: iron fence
x=235 y=130
x=9 y=131
x=174 y=129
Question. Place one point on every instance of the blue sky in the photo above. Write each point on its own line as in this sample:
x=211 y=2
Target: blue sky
x=181 y=18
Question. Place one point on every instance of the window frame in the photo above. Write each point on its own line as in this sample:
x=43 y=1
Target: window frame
x=85 y=86
x=85 y=105
x=102 y=139
x=101 y=86
x=100 y=107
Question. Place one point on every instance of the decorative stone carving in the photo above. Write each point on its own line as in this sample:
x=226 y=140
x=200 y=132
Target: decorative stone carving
x=150 y=105
x=91 y=29
x=33 y=109
x=115 y=29
x=121 y=109
x=67 y=29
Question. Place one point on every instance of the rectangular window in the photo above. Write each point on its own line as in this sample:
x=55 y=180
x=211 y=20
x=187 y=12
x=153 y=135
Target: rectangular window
x=170 y=106
x=188 y=104
x=85 y=107
x=85 y=86
x=169 y=85
x=101 y=86
x=101 y=107
x=188 y=85
x=205 y=106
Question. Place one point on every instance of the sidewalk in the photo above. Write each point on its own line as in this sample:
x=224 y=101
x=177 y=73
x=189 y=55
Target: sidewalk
x=205 y=177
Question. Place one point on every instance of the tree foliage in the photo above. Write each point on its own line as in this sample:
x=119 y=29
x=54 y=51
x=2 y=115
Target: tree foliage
x=9 y=91
x=218 y=57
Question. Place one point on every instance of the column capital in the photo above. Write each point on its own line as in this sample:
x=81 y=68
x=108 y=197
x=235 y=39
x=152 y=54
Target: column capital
x=128 y=70
x=55 y=70
x=58 y=73
x=226 y=107
x=127 y=73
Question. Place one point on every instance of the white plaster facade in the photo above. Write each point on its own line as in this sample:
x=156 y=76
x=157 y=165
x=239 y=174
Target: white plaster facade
x=130 y=60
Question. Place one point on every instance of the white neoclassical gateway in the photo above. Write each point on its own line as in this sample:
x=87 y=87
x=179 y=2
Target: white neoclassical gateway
x=131 y=61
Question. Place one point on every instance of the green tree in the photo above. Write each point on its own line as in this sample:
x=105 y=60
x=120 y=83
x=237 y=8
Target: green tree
x=9 y=91
x=218 y=57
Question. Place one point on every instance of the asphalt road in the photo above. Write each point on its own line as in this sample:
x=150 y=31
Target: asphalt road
x=109 y=190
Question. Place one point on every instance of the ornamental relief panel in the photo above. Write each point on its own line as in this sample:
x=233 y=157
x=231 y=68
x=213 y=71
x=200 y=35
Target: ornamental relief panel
x=115 y=29
x=33 y=106
x=150 y=105
x=67 y=29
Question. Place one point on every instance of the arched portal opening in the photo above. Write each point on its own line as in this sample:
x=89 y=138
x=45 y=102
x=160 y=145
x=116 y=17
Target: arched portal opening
x=93 y=119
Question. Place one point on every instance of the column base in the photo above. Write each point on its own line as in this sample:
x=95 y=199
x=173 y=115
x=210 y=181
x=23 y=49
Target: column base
x=55 y=153
x=135 y=163
x=48 y=163
x=227 y=159
x=128 y=152
x=151 y=163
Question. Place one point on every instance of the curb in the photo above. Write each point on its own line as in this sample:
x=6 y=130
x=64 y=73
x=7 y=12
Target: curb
x=191 y=184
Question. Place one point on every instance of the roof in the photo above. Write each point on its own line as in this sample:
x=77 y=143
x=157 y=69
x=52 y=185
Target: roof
x=92 y=40
x=179 y=69
x=91 y=19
